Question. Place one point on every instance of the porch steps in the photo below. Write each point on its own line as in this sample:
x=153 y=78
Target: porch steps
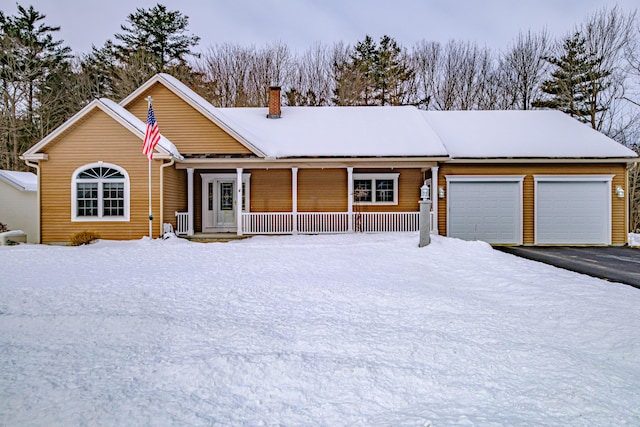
x=214 y=237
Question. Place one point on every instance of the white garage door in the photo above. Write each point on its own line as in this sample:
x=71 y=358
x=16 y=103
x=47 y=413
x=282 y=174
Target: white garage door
x=573 y=212
x=485 y=210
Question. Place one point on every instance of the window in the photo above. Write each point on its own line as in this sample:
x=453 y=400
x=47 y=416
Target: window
x=100 y=192
x=381 y=188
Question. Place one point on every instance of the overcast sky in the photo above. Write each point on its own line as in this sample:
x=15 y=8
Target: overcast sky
x=300 y=23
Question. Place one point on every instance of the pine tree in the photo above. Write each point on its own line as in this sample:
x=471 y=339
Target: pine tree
x=576 y=82
x=160 y=34
x=373 y=74
x=391 y=73
x=29 y=58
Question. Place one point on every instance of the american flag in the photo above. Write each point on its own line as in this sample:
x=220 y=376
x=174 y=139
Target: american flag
x=152 y=134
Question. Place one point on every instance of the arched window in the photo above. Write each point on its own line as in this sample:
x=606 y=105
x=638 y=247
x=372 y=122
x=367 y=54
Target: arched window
x=100 y=192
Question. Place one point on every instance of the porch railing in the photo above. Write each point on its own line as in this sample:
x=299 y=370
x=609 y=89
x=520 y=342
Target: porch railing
x=375 y=222
x=267 y=223
x=182 y=223
x=323 y=222
x=320 y=222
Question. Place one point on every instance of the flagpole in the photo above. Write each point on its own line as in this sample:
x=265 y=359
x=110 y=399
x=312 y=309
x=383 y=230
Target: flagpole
x=149 y=99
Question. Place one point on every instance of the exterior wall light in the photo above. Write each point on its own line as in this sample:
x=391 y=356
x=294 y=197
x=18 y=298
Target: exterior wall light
x=425 y=191
x=620 y=192
x=440 y=192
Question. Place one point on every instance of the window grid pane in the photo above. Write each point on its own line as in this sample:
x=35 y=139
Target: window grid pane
x=113 y=199
x=384 y=190
x=362 y=190
x=87 y=198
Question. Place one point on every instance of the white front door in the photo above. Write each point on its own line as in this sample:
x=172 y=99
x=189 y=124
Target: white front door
x=218 y=205
x=219 y=201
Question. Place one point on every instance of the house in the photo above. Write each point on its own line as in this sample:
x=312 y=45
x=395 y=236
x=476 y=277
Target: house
x=507 y=177
x=18 y=202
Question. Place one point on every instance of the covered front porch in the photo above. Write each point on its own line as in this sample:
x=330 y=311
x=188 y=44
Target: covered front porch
x=225 y=201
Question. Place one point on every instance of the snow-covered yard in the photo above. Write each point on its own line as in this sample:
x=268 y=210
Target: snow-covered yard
x=311 y=330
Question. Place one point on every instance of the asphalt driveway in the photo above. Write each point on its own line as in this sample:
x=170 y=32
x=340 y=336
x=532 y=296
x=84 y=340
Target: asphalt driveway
x=616 y=264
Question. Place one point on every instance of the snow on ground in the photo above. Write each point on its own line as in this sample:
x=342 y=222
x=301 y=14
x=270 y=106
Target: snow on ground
x=634 y=239
x=311 y=330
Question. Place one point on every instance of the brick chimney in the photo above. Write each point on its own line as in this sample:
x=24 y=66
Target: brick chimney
x=274 y=102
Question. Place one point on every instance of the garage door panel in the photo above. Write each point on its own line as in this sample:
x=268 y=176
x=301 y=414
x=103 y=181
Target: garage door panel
x=572 y=212
x=488 y=211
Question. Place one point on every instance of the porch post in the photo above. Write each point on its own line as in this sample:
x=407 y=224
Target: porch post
x=239 y=199
x=294 y=200
x=350 y=199
x=190 y=201
x=434 y=198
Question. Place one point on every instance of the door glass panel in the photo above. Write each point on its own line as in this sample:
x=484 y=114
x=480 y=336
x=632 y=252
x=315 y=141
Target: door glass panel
x=210 y=196
x=226 y=196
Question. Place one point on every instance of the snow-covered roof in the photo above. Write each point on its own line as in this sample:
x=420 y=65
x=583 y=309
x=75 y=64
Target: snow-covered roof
x=401 y=131
x=23 y=181
x=520 y=134
x=164 y=142
x=337 y=131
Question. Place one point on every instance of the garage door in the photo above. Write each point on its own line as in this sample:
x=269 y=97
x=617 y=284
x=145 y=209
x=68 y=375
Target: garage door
x=573 y=212
x=485 y=210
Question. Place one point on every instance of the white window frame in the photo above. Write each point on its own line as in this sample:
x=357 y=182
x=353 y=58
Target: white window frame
x=99 y=218
x=373 y=177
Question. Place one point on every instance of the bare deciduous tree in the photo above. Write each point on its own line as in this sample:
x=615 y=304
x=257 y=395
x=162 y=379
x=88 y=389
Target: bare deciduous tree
x=523 y=68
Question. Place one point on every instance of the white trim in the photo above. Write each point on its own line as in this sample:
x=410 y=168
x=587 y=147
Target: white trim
x=350 y=198
x=573 y=178
x=294 y=198
x=606 y=178
x=484 y=178
x=190 y=204
x=374 y=177
x=238 y=201
x=489 y=178
x=100 y=218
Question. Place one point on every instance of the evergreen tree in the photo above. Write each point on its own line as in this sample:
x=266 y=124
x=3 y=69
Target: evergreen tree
x=373 y=74
x=160 y=34
x=153 y=41
x=391 y=73
x=29 y=57
x=576 y=82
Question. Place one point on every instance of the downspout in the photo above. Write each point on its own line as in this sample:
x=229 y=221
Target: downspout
x=36 y=166
x=164 y=165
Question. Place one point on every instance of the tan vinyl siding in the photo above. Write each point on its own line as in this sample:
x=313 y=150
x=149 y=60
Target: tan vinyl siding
x=188 y=129
x=100 y=138
x=322 y=190
x=271 y=190
x=175 y=194
x=618 y=221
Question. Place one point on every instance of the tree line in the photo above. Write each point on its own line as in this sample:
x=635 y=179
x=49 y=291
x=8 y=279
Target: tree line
x=592 y=74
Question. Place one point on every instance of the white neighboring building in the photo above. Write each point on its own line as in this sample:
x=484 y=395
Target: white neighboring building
x=19 y=202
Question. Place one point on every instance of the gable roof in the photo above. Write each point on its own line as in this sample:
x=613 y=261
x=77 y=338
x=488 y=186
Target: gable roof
x=200 y=104
x=115 y=111
x=339 y=132
x=23 y=181
x=521 y=134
